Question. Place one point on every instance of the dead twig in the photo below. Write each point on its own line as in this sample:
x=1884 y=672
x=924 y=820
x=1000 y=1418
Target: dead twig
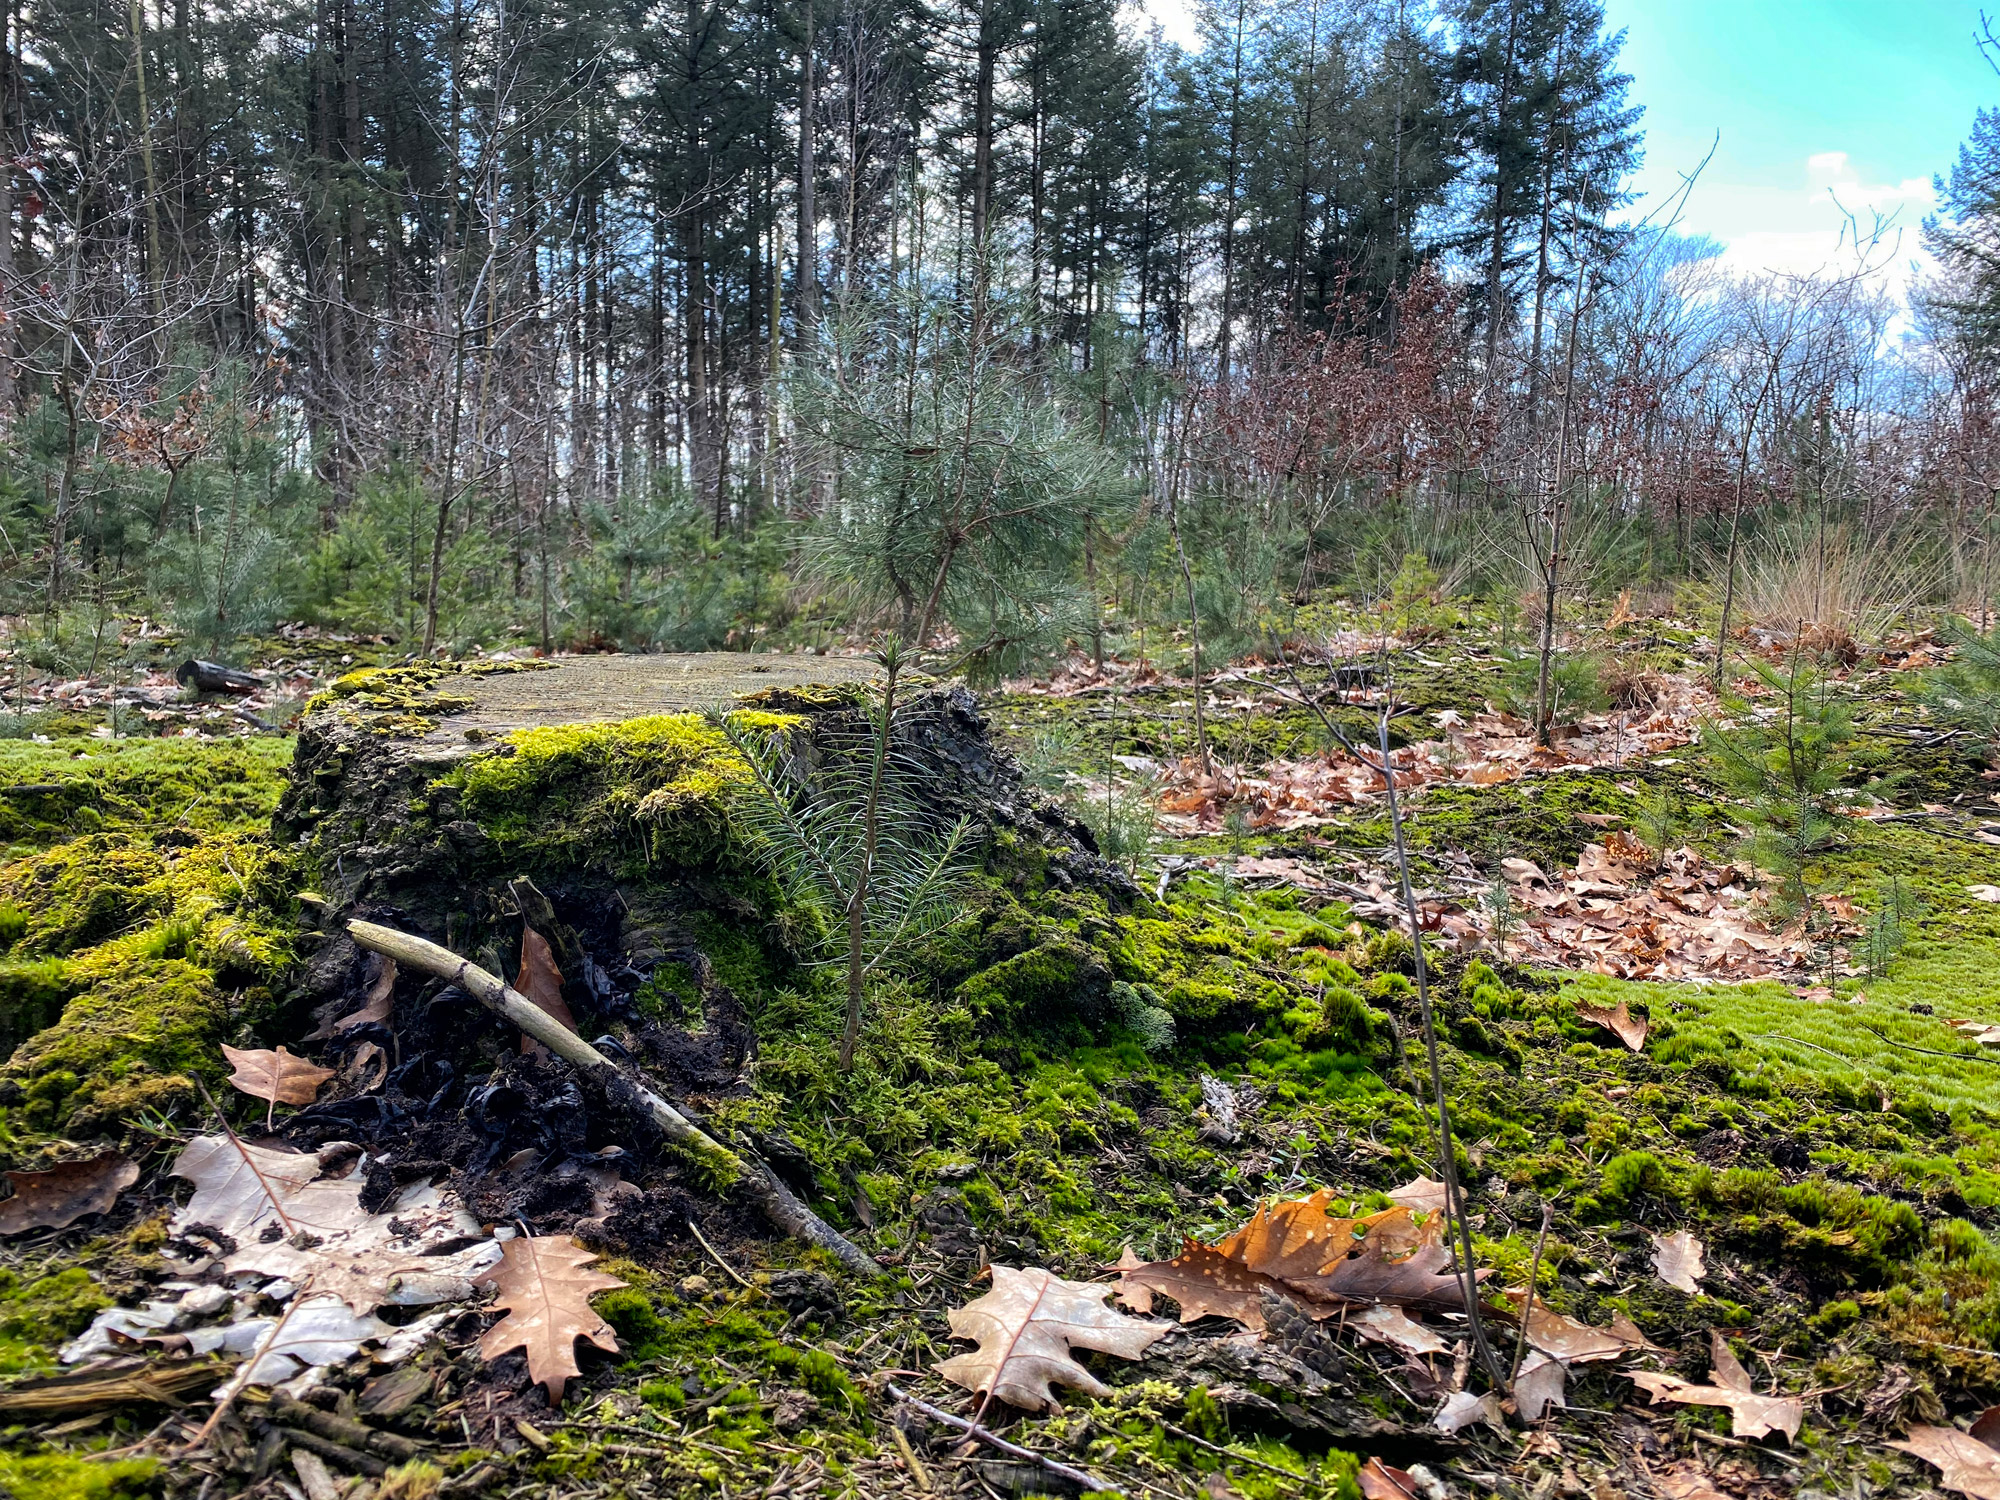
x=1089 y=1482
x=778 y=1202
x=716 y=1256
x=1527 y=1307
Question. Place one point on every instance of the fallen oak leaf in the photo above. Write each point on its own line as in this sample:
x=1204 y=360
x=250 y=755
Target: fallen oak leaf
x=57 y=1198
x=1576 y=1343
x=1378 y=1481
x=1539 y=1385
x=1369 y=1275
x=1394 y=1327
x=287 y=1220
x=1461 y=1409
x=1025 y=1329
x=1678 y=1260
x=1628 y=1028
x=1422 y=1194
x=1752 y=1415
x=543 y=1283
x=1963 y=1462
x=1201 y=1279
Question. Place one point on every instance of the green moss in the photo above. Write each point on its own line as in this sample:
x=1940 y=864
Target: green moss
x=136 y=960
x=57 y=1476
x=37 y=1317
x=631 y=794
x=1058 y=989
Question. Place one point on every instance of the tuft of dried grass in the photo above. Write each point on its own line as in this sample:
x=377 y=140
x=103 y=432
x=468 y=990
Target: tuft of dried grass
x=1829 y=586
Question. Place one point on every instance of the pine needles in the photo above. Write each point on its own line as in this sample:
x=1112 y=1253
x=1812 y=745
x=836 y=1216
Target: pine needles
x=843 y=826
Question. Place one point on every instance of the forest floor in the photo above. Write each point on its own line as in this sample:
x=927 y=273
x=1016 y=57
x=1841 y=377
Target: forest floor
x=1766 y=1141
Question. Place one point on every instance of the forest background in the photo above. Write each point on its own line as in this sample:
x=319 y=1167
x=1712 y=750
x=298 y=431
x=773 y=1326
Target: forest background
x=993 y=324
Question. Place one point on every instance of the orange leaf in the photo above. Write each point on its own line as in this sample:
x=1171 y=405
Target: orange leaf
x=544 y=1286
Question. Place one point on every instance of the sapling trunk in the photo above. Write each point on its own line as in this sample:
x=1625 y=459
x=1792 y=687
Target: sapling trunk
x=1447 y=1163
x=857 y=901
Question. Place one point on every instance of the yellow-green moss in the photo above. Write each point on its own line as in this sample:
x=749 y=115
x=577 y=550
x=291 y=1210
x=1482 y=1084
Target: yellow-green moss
x=57 y=1476
x=130 y=959
x=639 y=791
x=40 y=1315
x=193 y=786
x=412 y=688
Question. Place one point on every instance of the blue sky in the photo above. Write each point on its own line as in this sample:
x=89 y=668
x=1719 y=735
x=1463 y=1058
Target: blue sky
x=1859 y=101
x=1819 y=103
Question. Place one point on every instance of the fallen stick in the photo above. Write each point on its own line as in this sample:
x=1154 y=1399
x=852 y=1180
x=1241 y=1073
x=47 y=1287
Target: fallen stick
x=993 y=1440
x=777 y=1201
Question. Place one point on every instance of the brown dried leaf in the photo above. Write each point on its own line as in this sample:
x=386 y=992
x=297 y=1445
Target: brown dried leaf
x=1298 y=1248
x=543 y=1284
x=1677 y=1258
x=1724 y=1367
x=1393 y=1326
x=1687 y=1481
x=1964 y=1463
x=275 y=1077
x=376 y=1004
x=1577 y=1343
x=541 y=981
x=1025 y=1328
x=1629 y=1029
x=1204 y=1281
x=1378 y=1481
x=1752 y=1415
x=1369 y=1275
x=57 y=1198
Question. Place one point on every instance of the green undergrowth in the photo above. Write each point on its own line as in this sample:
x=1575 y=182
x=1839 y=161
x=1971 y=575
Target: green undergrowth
x=142 y=920
x=171 y=788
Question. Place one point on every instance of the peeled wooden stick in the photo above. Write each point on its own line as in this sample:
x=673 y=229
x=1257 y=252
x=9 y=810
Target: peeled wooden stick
x=778 y=1202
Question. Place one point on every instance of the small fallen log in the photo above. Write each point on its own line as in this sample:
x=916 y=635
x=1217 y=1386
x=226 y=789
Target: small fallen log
x=778 y=1203
x=214 y=677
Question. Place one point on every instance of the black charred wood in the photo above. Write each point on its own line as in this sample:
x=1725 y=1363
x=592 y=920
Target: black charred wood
x=214 y=677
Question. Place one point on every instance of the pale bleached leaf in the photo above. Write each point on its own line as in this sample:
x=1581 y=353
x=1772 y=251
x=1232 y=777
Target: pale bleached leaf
x=1462 y=1409
x=1393 y=1326
x=1420 y=1193
x=1025 y=1329
x=317 y=1229
x=1963 y=1462
x=1538 y=1385
x=1678 y=1260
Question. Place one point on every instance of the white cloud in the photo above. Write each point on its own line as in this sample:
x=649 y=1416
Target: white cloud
x=1833 y=221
